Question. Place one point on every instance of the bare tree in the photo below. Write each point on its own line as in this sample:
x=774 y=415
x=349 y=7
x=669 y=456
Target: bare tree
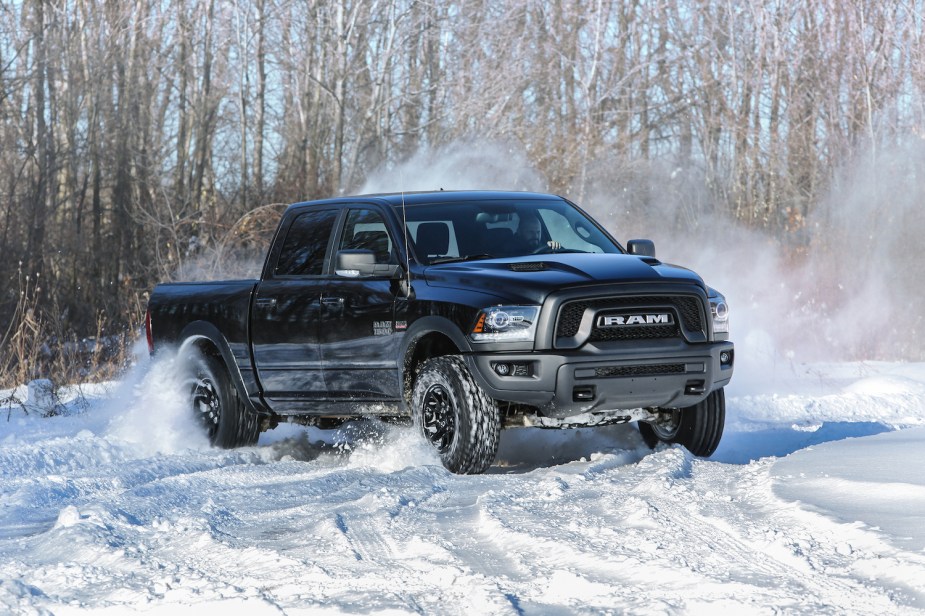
x=135 y=136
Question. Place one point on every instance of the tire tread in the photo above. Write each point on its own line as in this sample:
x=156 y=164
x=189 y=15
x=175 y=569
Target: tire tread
x=479 y=422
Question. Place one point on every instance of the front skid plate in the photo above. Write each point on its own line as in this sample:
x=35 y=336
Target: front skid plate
x=583 y=420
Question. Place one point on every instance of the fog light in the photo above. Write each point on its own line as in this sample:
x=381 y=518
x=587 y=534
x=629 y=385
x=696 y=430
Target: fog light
x=725 y=358
x=503 y=369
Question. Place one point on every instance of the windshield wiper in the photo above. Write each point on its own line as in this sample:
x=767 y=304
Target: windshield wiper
x=461 y=259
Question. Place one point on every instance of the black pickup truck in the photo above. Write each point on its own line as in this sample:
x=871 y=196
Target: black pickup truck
x=463 y=311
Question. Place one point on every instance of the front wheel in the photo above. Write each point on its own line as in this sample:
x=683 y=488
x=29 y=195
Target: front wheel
x=455 y=415
x=698 y=428
x=215 y=403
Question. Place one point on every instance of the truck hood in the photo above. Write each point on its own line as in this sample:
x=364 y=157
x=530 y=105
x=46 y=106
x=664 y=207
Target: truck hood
x=531 y=279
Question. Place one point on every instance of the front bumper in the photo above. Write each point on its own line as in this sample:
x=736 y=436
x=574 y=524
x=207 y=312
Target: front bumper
x=563 y=384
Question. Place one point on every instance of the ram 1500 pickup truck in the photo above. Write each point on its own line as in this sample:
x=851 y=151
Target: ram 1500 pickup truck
x=465 y=312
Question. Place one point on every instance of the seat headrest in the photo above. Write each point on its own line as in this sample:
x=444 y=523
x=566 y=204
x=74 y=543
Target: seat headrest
x=432 y=239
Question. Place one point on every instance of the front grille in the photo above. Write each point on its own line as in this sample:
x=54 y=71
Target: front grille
x=654 y=370
x=654 y=332
x=688 y=309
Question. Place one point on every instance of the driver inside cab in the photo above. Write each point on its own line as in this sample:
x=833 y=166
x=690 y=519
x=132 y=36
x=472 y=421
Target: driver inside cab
x=528 y=239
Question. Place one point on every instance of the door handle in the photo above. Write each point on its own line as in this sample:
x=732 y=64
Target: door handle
x=332 y=301
x=266 y=302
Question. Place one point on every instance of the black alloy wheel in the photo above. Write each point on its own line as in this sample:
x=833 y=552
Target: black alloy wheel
x=665 y=428
x=439 y=418
x=699 y=428
x=207 y=405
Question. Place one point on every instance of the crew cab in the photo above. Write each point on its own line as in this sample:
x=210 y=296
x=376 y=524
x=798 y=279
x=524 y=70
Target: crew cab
x=465 y=312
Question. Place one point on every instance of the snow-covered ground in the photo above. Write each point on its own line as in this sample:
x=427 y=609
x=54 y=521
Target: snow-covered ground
x=814 y=503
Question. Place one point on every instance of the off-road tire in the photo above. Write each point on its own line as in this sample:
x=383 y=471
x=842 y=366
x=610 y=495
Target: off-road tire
x=215 y=404
x=698 y=428
x=455 y=415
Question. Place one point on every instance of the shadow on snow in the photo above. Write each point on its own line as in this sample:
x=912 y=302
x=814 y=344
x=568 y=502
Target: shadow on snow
x=779 y=441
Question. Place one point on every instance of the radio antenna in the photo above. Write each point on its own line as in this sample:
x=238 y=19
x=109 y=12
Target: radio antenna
x=404 y=216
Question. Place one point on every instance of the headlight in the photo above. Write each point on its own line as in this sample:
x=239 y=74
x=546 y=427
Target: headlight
x=505 y=324
x=720 y=311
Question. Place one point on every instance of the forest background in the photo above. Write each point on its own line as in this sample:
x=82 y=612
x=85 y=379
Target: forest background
x=143 y=141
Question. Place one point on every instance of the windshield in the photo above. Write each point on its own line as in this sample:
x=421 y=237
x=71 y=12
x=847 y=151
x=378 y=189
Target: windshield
x=448 y=232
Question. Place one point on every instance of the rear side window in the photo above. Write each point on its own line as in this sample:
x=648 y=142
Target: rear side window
x=306 y=244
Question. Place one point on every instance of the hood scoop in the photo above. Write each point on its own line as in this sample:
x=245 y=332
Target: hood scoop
x=529 y=266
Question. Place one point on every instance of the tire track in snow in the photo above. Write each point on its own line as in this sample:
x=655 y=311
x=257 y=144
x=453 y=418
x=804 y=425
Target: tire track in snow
x=375 y=519
x=820 y=548
x=689 y=503
x=666 y=537
x=662 y=533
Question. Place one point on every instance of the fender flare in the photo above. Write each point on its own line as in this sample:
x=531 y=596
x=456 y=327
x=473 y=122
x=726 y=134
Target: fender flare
x=420 y=328
x=203 y=330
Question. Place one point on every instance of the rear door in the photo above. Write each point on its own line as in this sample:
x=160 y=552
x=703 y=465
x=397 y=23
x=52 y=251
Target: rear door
x=359 y=335
x=286 y=314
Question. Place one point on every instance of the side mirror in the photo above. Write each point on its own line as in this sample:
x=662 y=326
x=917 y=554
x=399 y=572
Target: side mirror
x=359 y=263
x=642 y=248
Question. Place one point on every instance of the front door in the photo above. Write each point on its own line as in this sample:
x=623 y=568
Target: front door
x=359 y=341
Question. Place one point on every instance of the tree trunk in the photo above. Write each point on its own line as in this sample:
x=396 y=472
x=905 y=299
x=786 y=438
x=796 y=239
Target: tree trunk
x=43 y=148
x=261 y=102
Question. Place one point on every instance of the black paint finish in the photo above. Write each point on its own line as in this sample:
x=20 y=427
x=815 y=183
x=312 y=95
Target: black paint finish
x=329 y=343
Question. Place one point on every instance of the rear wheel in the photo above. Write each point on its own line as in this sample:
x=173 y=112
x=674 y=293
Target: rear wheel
x=698 y=428
x=215 y=403
x=454 y=414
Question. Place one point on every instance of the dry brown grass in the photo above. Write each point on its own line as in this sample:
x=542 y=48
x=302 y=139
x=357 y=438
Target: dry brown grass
x=37 y=345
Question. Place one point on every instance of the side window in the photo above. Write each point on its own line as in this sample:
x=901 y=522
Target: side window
x=366 y=230
x=306 y=243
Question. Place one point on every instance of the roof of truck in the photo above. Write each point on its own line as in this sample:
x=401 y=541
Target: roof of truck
x=432 y=196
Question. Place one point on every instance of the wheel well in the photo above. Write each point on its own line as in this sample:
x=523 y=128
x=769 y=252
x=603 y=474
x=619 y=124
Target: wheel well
x=432 y=344
x=204 y=346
